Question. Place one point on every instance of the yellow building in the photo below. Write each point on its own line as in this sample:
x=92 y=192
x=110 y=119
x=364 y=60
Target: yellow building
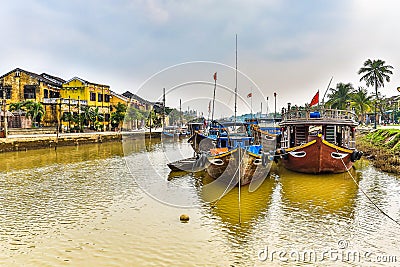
x=20 y=85
x=117 y=98
x=78 y=92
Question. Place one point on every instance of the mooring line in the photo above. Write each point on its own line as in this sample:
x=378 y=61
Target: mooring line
x=366 y=195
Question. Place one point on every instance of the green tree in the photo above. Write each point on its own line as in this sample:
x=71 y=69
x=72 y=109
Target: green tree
x=35 y=110
x=95 y=117
x=174 y=117
x=133 y=115
x=375 y=73
x=118 y=115
x=339 y=97
x=85 y=116
x=361 y=102
x=17 y=106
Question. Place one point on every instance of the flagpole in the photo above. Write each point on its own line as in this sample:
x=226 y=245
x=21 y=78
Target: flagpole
x=215 y=87
x=251 y=102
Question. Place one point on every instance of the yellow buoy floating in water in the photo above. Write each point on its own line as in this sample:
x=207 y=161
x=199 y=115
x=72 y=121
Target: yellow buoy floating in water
x=184 y=218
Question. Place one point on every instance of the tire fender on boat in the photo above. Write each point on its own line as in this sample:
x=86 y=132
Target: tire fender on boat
x=356 y=155
x=265 y=159
x=284 y=155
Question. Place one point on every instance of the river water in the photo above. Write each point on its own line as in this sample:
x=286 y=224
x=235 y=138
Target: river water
x=118 y=205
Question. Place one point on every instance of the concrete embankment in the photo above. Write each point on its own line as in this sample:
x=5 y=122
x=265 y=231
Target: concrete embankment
x=382 y=147
x=35 y=141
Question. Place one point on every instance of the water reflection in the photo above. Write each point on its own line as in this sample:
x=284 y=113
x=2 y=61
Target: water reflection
x=325 y=193
x=82 y=205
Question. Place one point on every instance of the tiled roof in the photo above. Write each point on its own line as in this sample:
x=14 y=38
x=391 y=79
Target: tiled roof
x=51 y=80
x=86 y=82
x=136 y=97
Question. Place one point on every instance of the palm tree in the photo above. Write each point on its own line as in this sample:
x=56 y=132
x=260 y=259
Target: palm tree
x=361 y=102
x=118 y=115
x=35 y=110
x=85 y=115
x=375 y=73
x=95 y=115
x=16 y=106
x=339 y=97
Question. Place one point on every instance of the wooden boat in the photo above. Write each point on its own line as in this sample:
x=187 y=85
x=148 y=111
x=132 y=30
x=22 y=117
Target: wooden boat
x=269 y=141
x=170 y=132
x=247 y=163
x=318 y=141
x=193 y=164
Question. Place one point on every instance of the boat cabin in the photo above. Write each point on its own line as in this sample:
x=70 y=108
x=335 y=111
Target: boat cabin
x=301 y=126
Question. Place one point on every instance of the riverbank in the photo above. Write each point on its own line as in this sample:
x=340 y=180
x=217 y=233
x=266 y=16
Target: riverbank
x=382 y=147
x=35 y=141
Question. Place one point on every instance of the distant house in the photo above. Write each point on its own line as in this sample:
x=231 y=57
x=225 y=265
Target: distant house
x=138 y=102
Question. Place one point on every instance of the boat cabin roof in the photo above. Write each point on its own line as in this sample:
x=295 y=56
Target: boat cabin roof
x=319 y=117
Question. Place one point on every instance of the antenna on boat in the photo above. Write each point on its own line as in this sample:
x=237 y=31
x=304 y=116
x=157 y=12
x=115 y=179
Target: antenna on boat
x=235 y=85
x=329 y=84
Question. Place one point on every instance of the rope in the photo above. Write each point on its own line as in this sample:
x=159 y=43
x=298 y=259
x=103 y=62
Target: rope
x=366 y=195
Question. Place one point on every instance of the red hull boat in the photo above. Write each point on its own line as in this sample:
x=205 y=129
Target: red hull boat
x=321 y=141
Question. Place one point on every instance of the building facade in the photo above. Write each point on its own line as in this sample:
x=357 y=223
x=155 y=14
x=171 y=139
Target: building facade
x=78 y=92
x=20 y=85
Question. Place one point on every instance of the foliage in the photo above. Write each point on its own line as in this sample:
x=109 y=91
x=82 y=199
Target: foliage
x=174 y=117
x=17 y=106
x=35 y=110
x=339 y=97
x=361 y=102
x=118 y=115
x=375 y=73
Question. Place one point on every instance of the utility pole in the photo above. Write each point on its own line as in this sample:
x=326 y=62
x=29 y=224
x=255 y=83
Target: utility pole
x=180 y=112
x=79 y=113
x=163 y=117
x=69 y=114
x=5 y=112
x=275 y=106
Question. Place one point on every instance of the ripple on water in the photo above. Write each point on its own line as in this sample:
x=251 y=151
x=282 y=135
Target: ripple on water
x=61 y=196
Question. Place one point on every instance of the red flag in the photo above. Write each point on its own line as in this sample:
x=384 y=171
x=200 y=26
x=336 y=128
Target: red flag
x=250 y=95
x=215 y=76
x=315 y=99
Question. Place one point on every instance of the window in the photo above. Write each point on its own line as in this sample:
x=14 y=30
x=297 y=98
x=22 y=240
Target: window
x=100 y=97
x=107 y=117
x=8 y=92
x=106 y=98
x=54 y=94
x=30 y=91
x=92 y=96
x=46 y=93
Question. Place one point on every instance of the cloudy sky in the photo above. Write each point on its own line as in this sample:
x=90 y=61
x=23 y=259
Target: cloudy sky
x=290 y=47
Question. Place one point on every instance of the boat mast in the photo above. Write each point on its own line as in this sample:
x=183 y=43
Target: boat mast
x=235 y=85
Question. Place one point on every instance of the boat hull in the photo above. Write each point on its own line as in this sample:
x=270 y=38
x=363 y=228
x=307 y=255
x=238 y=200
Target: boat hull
x=239 y=162
x=317 y=156
x=201 y=143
